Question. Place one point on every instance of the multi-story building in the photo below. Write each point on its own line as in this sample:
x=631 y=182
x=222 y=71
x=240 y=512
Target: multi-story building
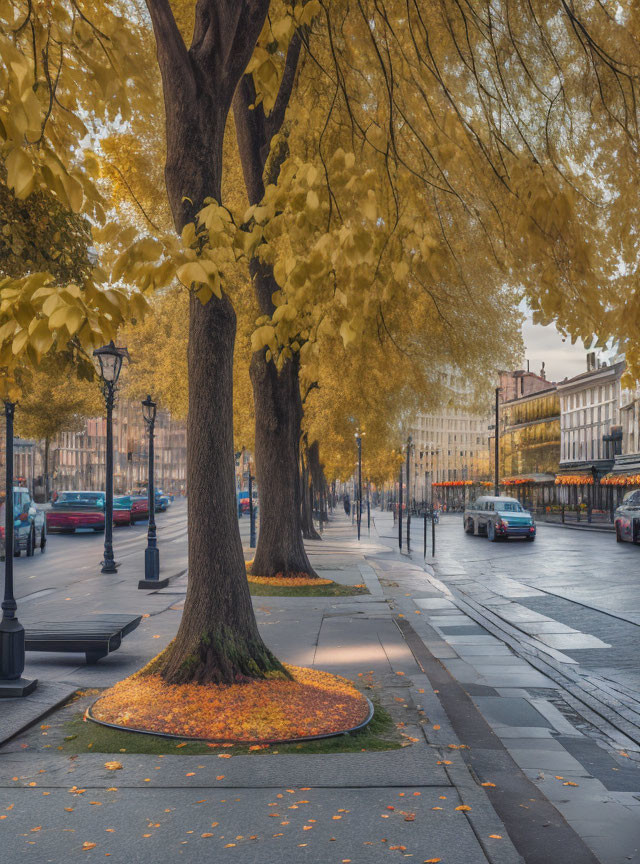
x=625 y=473
x=529 y=430
x=591 y=434
x=27 y=463
x=450 y=444
x=514 y=385
x=590 y=408
x=77 y=460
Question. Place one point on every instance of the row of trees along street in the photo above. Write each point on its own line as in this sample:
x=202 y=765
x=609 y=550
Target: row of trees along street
x=354 y=197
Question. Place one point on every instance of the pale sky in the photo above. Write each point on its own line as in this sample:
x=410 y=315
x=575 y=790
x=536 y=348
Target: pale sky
x=561 y=358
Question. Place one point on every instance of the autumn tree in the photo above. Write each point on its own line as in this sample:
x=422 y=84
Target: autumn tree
x=59 y=74
x=158 y=348
x=422 y=146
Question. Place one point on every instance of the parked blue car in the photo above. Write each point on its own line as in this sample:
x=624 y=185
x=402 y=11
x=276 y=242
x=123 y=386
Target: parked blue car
x=29 y=527
x=499 y=517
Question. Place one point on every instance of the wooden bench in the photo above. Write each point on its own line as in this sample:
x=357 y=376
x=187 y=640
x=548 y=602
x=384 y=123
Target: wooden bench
x=96 y=636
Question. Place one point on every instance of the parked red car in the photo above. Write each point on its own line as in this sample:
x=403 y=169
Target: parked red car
x=139 y=507
x=73 y=510
x=122 y=514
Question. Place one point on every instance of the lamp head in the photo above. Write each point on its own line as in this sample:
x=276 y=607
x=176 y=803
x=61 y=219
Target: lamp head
x=108 y=361
x=149 y=410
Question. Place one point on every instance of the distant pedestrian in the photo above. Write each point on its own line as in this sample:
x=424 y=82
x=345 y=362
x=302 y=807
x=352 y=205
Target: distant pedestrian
x=347 y=505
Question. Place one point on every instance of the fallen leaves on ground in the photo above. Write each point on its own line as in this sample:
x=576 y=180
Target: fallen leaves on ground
x=463 y=807
x=295 y=580
x=87 y=845
x=113 y=766
x=312 y=703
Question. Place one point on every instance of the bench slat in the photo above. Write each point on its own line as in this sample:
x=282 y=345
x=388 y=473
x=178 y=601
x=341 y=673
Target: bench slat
x=95 y=637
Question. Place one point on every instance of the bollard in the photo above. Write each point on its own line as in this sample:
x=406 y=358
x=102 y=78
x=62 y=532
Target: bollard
x=400 y=513
x=252 y=515
x=433 y=534
x=425 y=534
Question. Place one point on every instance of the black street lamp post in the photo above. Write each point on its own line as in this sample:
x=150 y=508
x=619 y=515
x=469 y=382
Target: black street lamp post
x=400 y=510
x=108 y=362
x=151 y=553
x=12 y=684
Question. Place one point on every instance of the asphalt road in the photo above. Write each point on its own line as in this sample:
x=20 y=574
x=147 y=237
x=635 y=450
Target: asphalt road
x=572 y=596
x=71 y=558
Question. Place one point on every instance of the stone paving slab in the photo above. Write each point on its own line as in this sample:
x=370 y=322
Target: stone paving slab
x=616 y=774
x=556 y=761
x=571 y=641
x=16 y=714
x=510 y=711
x=167 y=825
x=529 y=678
x=555 y=717
x=415 y=765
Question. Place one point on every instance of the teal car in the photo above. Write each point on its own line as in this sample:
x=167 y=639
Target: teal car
x=498 y=518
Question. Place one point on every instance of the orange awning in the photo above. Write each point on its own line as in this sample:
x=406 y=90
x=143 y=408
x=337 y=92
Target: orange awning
x=621 y=480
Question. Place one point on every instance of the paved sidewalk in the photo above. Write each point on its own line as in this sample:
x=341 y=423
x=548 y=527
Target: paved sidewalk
x=364 y=807
x=591 y=778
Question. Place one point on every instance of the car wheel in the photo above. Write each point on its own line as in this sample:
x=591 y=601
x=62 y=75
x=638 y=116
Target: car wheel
x=31 y=542
x=530 y=538
x=43 y=539
x=468 y=528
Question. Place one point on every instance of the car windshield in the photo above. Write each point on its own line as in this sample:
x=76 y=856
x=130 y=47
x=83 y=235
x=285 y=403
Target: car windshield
x=632 y=499
x=94 y=499
x=510 y=506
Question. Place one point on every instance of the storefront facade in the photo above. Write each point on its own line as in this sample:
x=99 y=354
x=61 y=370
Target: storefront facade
x=591 y=436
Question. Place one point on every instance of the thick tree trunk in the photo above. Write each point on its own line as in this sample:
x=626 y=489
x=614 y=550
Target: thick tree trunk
x=278 y=410
x=308 y=528
x=278 y=407
x=218 y=639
